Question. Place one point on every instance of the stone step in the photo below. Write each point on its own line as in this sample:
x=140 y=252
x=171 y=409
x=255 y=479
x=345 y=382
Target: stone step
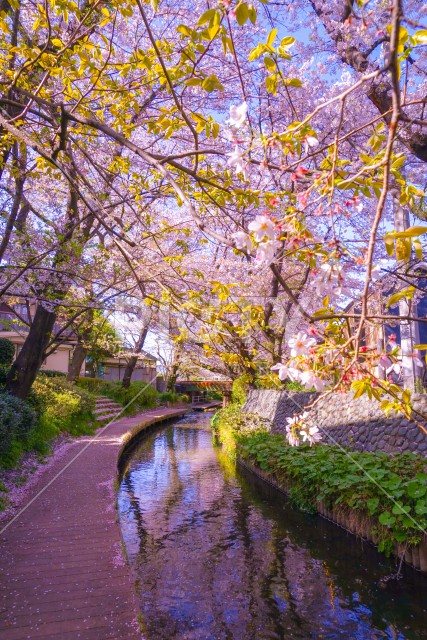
x=101 y=410
x=107 y=416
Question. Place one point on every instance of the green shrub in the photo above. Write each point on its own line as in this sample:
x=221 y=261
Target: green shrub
x=94 y=385
x=17 y=420
x=51 y=373
x=240 y=389
x=115 y=391
x=54 y=405
x=174 y=398
x=4 y=370
x=7 y=352
x=168 y=396
x=214 y=395
x=61 y=404
x=145 y=400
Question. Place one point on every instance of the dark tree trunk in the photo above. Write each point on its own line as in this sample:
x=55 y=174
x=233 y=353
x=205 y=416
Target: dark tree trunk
x=27 y=364
x=79 y=355
x=131 y=363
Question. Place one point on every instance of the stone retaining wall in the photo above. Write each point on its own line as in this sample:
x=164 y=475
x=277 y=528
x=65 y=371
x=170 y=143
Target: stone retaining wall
x=356 y=423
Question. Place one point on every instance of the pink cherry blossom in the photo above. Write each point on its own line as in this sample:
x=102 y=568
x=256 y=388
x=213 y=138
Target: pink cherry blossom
x=309 y=380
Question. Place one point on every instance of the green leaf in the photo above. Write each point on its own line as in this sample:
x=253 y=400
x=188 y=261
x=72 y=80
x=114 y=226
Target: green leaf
x=372 y=505
x=405 y=293
x=271 y=37
x=287 y=41
x=252 y=14
x=420 y=37
x=271 y=84
x=386 y=519
x=256 y=52
x=269 y=63
x=293 y=82
x=206 y=17
x=415 y=490
x=418 y=248
x=421 y=507
x=400 y=509
x=389 y=245
x=193 y=82
x=242 y=14
x=411 y=232
x=403 y=249
x=211 y=83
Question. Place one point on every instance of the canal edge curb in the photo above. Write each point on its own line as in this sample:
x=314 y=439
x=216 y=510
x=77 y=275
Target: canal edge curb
x=131 y=436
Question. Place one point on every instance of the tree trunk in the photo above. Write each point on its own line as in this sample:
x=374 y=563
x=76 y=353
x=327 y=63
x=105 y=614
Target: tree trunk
x=79 y=355
x=131 y=363
x=26 y=366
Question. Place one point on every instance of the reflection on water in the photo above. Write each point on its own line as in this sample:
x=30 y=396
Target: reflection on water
x=221 y=557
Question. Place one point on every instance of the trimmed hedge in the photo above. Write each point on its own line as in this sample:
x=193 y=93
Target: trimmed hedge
x=51 y=373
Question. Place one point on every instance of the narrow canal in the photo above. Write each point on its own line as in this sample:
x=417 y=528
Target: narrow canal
x=221 y=556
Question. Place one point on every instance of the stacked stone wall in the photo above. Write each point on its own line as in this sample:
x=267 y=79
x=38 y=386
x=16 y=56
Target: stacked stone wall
x=358 y=423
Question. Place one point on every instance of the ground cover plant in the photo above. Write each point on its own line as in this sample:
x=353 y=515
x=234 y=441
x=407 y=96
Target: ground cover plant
x=390 y=489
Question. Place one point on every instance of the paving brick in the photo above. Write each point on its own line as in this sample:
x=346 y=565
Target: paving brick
x=62 y=575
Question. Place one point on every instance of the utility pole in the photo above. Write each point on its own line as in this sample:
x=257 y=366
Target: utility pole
x=409 y=329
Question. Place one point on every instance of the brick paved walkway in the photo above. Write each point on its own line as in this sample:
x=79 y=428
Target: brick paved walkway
x=62 y=574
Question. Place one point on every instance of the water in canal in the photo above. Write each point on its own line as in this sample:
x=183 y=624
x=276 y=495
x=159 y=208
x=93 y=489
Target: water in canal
x=222 y=556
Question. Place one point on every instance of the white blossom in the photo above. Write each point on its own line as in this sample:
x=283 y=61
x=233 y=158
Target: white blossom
x=309 y=380
x=266 y=251
x=300 y=344
x=236 y=161
x=282 y=370
x=261 y=227
x=293 y=439
x=311 y=435
x=294 y=426
x=242 y=240
x=238 y=114
x=310 y=143
x=329 y=280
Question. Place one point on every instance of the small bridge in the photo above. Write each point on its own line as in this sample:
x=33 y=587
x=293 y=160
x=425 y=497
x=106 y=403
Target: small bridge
x=203 y=392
